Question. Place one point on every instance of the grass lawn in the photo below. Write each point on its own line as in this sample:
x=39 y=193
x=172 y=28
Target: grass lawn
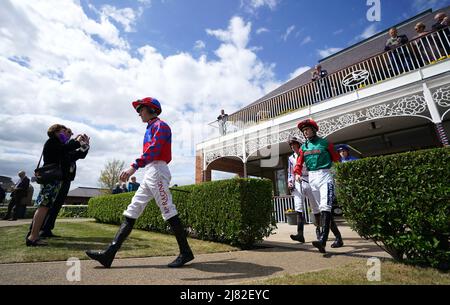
x=392 y=273
x=79 y=237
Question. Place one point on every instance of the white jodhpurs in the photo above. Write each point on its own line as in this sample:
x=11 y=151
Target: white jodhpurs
x=298 y=197
x=154 y=186
x=301 y=194
x=322 y=187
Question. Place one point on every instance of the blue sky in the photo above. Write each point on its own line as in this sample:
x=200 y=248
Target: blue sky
x=289 y=33
x=82 y=62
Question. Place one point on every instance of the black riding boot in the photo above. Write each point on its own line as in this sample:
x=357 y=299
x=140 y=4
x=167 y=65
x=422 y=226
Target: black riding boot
x=317 y=224
x=106 y=257
x=300 y=227
x=326 y=221
x=338 y=242
x=186 y=254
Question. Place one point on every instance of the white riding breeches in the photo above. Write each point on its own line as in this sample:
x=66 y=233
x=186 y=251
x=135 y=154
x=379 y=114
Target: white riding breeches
x=154 y=186
x=322 y=187
x=301 y=192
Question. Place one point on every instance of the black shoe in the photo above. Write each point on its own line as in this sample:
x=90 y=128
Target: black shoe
x=35 y=243
x=337 y=243
x=325 y=220
x=181 y=236
x=181 y=260
x=106 y=257
x=103 y=257
x=49 y=234
x=319 y=245
x=299 y=238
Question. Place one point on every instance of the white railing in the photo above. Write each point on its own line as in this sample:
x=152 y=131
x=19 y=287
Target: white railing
x=283 y=203
x=414 y=55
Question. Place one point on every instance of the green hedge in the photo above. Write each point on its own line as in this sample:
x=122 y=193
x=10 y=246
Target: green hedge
x=69 y=211
x=29 y=213
x=74 y=211
x=402 y=202
x=237 y=211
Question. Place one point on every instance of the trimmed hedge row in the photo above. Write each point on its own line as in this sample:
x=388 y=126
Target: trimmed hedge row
x=69 y=211
x=237 y=211
x=74 y=211
x=402 y=202
x=29 y=213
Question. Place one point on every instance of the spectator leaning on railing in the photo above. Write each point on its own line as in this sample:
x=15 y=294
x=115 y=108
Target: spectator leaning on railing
x=399 y=58
x=442 y=21
x=441 y=25
x=319 y=76
x=420 y=46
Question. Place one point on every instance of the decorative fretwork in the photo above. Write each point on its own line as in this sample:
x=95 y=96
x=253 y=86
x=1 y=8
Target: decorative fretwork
x=227 y=151
x=409 y=106
x=442 y=97
x=255 y=145
x=414 y=105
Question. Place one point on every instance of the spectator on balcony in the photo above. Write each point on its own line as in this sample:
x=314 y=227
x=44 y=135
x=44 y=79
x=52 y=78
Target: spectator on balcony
x=322 y=84
x=442 y=21
x=222 y=120
x=420 y=46
x=398 y=55
x=442 y=37
x=420 y=30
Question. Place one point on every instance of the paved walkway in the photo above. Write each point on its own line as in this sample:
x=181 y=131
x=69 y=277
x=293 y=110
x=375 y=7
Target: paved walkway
x=278 y=255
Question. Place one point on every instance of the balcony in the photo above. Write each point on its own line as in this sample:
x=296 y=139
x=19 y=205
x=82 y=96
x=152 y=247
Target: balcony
x=416 y=54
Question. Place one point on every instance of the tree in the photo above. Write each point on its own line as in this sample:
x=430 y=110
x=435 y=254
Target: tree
x=109 y=176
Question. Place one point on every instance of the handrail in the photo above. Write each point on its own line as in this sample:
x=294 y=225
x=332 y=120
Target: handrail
x=415 y=54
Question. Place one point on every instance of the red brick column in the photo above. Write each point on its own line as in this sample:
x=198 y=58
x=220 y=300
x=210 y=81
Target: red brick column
x=200 y=175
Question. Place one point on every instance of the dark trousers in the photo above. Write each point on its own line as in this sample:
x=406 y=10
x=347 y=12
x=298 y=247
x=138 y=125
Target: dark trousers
x=13 y=203
x=49 y=222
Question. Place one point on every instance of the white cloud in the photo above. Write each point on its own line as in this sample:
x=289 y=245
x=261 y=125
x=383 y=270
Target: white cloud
x=288 y=32
x=199 y=45
x=421 y=5
x=255 y=4
x=145 y=2
x=59 y=65
x=340 y=31
x=306 y=40
x=261 y=30
x=126 y=16
x=327 y=52
x=237 y=33
x=298 y=71
x=368 y=32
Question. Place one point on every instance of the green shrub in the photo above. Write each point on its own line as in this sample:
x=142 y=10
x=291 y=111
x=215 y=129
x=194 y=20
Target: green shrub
x=237 y=211
x=74 y=211
x=29 y=213
x=402 y=202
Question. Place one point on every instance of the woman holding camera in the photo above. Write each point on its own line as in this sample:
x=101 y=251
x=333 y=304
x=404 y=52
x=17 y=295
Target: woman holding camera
x=55 y=151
